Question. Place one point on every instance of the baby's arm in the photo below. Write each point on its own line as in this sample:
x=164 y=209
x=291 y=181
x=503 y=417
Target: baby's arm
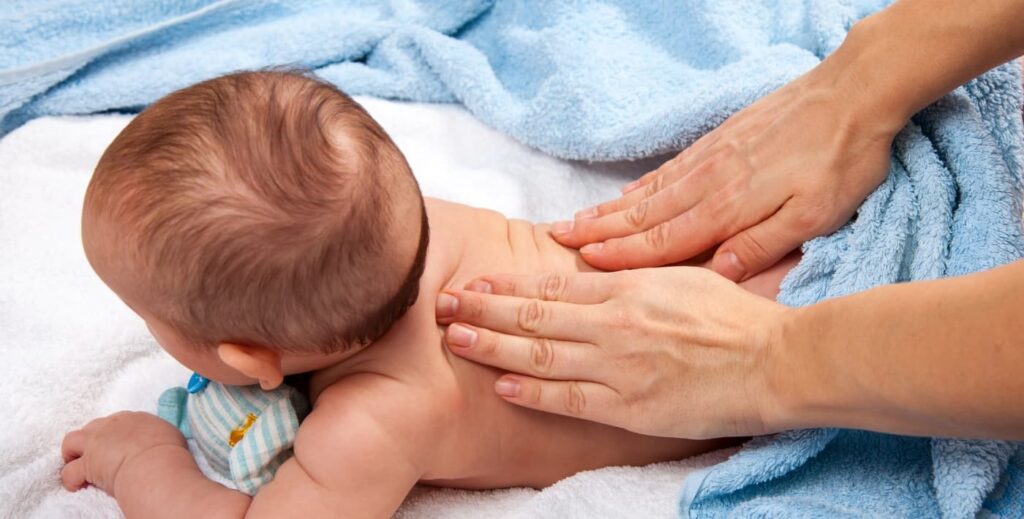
x=348 y=462
x=144 y=463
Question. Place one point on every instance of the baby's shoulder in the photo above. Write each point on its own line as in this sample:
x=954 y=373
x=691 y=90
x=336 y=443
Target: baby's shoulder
x=367 y=404
x=355 y=435
x=362 y=420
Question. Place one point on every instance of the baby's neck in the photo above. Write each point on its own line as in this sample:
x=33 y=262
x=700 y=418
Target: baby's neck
x=464 y=239
x=465 y=242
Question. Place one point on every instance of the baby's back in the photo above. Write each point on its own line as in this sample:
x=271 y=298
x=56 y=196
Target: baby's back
x=483 y=441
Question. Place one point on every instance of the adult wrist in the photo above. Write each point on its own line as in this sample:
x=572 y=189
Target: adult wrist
x=799 y=375
x=866 y=74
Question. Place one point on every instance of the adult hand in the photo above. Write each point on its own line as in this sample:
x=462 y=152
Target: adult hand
x=675 y=351
x=794 y=165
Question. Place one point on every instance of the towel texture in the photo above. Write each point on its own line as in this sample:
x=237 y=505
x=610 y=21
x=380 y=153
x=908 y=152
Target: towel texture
x=605 y=79
x=594 y=80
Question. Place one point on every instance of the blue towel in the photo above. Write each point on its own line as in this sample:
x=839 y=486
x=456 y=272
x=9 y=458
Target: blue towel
x=604 y=80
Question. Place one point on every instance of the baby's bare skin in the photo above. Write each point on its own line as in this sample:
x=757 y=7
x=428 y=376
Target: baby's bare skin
x=480 y=441
x=400 y=411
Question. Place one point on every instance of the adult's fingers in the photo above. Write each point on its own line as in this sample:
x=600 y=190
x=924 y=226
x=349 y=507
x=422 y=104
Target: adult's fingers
x=586 y=400
x=625 y=201
x=580 y=288
x=534 y=356
x=667 y=203
x=764 y=244
x=73 y=445
x=671 y=241
x=72 y=476
x=727 y=211
x=679 y=167
x=514 y=315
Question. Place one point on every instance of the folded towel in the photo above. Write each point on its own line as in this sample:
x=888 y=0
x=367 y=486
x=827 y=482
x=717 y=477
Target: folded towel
x=594 y=80
x=609 y=79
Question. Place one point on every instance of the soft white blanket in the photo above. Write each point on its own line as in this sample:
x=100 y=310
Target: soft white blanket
x=71 y=351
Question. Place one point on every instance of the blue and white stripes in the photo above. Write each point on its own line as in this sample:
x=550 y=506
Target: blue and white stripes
x=216 y=416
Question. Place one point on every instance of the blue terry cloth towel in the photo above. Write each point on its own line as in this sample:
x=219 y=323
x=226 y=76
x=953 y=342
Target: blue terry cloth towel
x=608 y=80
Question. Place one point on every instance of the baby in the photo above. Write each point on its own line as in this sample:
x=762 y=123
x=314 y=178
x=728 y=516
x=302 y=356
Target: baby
x=263 y=225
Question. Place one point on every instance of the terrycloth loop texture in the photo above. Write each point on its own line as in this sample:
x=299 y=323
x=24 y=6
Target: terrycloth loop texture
x=261 y=445
x=605 y=80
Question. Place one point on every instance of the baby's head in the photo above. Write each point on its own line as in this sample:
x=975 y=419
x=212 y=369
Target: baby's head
x=257 y=217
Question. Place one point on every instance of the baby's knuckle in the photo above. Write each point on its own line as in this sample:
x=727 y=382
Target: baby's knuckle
x=530 y=316
x=575 y=399
x=542 y=356
x=552 y=287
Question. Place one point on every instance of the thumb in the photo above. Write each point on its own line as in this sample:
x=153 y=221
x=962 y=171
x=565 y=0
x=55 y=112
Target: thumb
x=761 y=246
x=72 y=476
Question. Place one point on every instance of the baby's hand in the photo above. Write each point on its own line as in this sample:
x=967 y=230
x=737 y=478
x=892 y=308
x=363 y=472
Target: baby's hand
x=96 y=453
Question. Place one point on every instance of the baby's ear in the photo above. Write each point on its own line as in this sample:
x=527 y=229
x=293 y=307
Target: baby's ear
x=258 y=362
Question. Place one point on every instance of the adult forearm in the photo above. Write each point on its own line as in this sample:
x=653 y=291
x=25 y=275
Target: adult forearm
x=937 y=358
x=903 y=58
x=167 y=483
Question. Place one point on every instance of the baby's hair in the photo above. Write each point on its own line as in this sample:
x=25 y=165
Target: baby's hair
x=261 y=208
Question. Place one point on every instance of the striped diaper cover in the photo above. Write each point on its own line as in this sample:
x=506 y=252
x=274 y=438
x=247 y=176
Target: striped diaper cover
x=244 y=432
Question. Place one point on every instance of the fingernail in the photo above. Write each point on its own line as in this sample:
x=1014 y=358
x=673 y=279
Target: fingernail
x=447 y=305
x=506 y=387
x=593 y=248
x=461 y=336
x=590 y=212
x=728 y=265
x=480 y=286
x=630 y=186
x=560 y=228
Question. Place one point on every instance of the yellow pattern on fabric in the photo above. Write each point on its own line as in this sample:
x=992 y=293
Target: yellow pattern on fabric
x=239 y=432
